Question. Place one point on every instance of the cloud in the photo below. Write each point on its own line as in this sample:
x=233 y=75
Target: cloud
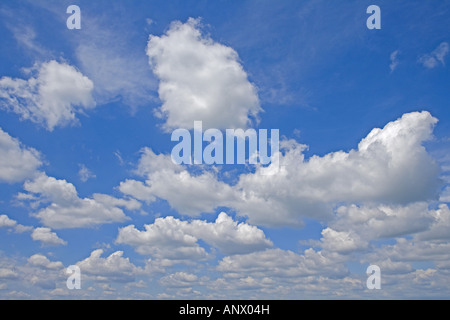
x=200 y=79
x=6 y=222
x=51 y=97
x=67 y=210
x=47 y=237
x=390 y=166
x=165 y=239
x=186 y=193
x=180 y=280
x=394 y=60
x=17 y=162
x=275 y=263
x=113 y=268
x=168 y=235
x=436 y=57
x=85 y=174
x=39 y=260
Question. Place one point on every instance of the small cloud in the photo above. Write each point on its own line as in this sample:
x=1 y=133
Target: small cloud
x=119 y=157
x=47 y=237
x=85 y=174
x=435 y=58
x=394 y=60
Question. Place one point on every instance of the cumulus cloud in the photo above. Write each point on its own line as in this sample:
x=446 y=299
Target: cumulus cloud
x=168 y=235
x=180 y=280
x=200 y=79
x=17 y=162
x=436 y=57
x=165 y=239
x=51 y=97
x=6 y=222
x=67 y=210
x=47 y=237
x=185 y=192
x=42 y=261
x=283 y=263
x=115 y=267
x=390 y=166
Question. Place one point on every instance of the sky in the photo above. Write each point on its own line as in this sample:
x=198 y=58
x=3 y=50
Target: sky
x=87 y=178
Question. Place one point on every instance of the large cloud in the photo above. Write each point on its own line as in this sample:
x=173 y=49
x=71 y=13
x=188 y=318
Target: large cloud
x=167 y=236
x=186 y=193
x=200 y=80
x=390 y=167
x=67 y=210
x=17 y=162
x=51 y=98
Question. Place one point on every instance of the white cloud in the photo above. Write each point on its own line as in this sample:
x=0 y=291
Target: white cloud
x=17 y=162
x=67 y=210
x=39 y=260
x=390 y=166
x=164 y=239
x=283 y=263
x=180 y=280
x=113 y=268
x=85 y=174
x=47 y=237
x=186 y=193
x=394 y=60
x=51 y=98
x=200 y=80
x=8 y=274
x=108 y=55
x=6 y=222
x=168 y=235
x=435 y=58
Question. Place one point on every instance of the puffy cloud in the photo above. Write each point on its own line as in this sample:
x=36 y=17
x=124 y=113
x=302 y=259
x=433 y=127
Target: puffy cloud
x=52 y=98
x=167 y=236
x=47 y=237
x=165 y=239
x=40 y=260
x=433 y=59
x=390 y=166
x=283 y=263
x=200 y=80
x=341 y=241
x=185 y=192
x=6 y=222
x=8 y=274
x=378 y=222
x=180 y=279
x=67 y=210
x=17 y=162
x=113 y=268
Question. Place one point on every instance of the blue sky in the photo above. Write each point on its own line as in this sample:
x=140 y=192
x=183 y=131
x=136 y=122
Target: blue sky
x=86 y=178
